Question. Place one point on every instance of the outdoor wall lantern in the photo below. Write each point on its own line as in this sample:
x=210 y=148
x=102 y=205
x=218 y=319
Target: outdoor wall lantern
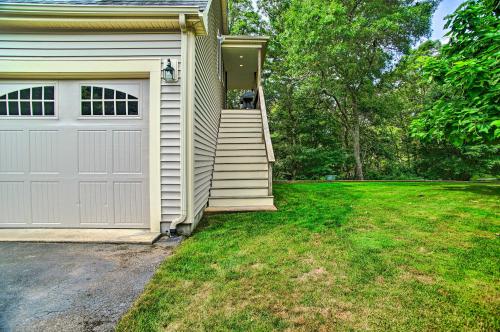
x=169 y=71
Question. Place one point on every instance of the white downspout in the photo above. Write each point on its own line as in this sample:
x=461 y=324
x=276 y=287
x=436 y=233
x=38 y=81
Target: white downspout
x=184 y=127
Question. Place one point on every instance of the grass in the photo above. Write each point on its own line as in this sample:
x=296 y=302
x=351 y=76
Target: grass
x=337 y=256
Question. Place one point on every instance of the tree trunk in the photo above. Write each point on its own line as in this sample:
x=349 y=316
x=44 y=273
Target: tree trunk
x=357 y=148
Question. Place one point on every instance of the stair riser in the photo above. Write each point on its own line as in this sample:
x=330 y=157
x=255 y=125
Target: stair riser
x=240 y=160
x=223 y=147
x=241 y=116
x=239 y=183
x=239 y=135
x=241 y=130
x=240 y=201
x=239 y=192
x=241 y=167
x=240 y=125
x=235 y=175
x=244 y=120
x=244 y=140
x=240 y=153
x=224 y=112
x=224 y=209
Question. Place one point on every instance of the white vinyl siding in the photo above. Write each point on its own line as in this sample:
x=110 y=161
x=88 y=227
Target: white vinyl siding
x=208 y=103
x=165 y=45
x=89 y=45
x=170 y=151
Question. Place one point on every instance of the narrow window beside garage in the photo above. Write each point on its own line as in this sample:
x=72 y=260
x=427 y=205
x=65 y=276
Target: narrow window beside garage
x=101 y=101
x=38 y=101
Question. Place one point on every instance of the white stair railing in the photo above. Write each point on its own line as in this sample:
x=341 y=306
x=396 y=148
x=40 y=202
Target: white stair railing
x=266 y=137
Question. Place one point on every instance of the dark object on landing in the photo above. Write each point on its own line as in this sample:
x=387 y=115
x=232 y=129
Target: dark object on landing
x=247 y=100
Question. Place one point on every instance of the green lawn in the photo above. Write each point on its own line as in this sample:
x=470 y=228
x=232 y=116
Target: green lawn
x=337 y=256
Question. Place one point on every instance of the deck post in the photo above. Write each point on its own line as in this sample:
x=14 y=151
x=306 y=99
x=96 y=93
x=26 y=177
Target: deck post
x=259 y=67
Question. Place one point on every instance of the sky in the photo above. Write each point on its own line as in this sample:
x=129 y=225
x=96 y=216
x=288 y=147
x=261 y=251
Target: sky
x=445 y=8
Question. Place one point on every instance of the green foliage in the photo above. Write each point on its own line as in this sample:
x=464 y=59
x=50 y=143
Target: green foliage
x=445 y=161
x=467 y=72
x=336 y=68
x=412 y=93
x=342 y=56
x=243 y=19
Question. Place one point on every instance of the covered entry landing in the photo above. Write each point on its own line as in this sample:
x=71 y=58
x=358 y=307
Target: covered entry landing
x=243 y=59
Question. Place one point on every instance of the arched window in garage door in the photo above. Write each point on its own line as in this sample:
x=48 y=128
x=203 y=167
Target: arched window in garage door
x=36 y=101
x=101 y=101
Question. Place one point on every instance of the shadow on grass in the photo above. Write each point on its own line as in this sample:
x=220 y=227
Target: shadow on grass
x=489 y=190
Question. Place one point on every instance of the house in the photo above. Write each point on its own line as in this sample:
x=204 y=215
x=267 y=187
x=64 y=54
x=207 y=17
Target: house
x=112 y=115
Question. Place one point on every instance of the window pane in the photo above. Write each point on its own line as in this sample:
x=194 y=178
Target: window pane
x=25 y=94
x=49 y=107
x=25 y=108
x=37 y=108
x=3 y=97
x=3 y=108
x=13 y=108
x=86 y=92
x=36 y=93
x=48 y=92
x=14 y=95
x=131 y=97
x=121 y=108
x=86 y=108
x=109 y=94
x=96 y=92
x=133 y=108
x=109 y=107
x=121 y=95
x=97 y=108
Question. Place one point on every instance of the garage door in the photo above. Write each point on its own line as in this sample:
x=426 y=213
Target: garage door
x=74 y=154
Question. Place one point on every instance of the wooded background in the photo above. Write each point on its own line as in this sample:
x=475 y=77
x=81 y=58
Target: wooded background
x=355 y=89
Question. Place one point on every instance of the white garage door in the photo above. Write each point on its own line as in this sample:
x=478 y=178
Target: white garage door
x=74 y=154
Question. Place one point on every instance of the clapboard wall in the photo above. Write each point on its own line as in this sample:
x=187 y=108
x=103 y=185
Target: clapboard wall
x=208 y=101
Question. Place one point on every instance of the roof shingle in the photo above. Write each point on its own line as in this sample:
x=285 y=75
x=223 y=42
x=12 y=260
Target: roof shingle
x=201 y=4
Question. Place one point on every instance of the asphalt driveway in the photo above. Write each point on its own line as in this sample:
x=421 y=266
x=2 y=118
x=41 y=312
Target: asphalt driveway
x=73 y=287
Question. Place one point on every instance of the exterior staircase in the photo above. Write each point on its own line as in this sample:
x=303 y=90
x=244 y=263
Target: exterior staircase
x=242 y=178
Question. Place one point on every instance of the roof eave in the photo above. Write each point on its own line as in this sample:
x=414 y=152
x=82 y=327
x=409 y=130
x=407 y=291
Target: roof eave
x=84 y=17
x=235 y=40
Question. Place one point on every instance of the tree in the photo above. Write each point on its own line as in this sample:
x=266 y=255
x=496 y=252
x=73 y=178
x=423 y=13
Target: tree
x=243 y=18
x=411 y=94
x=467 y=70
x=340 y=49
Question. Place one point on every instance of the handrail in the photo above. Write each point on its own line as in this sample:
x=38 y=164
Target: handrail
x=265 y=126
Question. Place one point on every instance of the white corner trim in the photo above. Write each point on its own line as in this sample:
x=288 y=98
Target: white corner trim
x=190 y=68
x=187 y=127
x=109 y=68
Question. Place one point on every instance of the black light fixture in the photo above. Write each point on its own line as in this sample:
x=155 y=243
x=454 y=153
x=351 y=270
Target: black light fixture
x=168 y=72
